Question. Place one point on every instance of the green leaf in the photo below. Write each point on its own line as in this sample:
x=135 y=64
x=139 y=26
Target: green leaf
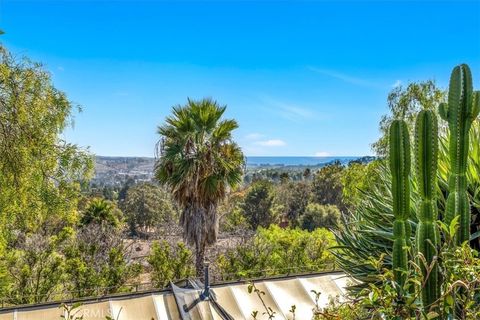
x=449 y=300
x=475 y=235
x=432 y=315
x=453 y=225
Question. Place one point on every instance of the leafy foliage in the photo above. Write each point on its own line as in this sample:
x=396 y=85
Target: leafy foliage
x=327 y=185
x=40 y=181
x=461 y=275
x=101 y=211
x=35 y=268
x=320 y=216
x=97 y=262
x=258 y=204
x=358 y=178
x=147 y=206
x=232 y=218
x=279 y=251
x=405 y=103
x=170 y=263
x=294 y=198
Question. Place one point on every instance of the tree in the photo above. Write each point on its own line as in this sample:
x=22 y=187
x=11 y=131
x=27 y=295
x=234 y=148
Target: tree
x=146 y=206
x=122 y=194
x=232 y=219
x=275 y=251
x=97 y=261
x=258 y=204
x=170 y=263
x=35 y=268
x=200 y=163
x=357 y=178
x=102 y=212
x=405 y=103
x=327 y=185
x=320 y=216
x=40 y=174
x=293 y=197
x=307 y=174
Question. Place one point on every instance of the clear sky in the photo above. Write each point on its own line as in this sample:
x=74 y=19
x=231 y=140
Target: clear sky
x=301 y=78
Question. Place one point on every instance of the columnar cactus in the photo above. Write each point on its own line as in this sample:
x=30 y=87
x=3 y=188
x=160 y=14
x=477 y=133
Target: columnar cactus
x=400 y=168
x=462 y=108
x=427 y=237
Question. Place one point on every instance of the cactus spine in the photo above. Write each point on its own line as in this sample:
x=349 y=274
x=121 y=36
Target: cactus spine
x=427 y=237
x=400 y=168
x=462 y=108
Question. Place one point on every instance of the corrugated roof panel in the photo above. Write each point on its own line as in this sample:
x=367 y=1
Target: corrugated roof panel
x=342 y=282
x=323 y=284
x=170 y=306
x=291 y=292
x=37 y=314
x=160 y=302
x=227 y=300
x=6 y=316
x=206 y=313
x=215 y=315
x=251 y=302
x=280 y=295
x=94 y=311
x=141 y=308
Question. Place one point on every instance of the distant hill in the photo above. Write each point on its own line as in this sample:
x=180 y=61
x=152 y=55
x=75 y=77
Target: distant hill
x=116 y=170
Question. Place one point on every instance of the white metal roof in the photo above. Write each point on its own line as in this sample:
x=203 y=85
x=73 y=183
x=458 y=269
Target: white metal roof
x=280 y=295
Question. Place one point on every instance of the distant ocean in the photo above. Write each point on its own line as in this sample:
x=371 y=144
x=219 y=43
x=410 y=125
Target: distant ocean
x=295 y=161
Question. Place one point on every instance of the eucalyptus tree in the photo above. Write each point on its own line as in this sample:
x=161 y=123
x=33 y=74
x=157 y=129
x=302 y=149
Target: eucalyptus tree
x=41 y=177
x=199 y=162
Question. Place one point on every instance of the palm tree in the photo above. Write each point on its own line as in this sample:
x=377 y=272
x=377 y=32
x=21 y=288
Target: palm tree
x=102 y=212
x=199 y=161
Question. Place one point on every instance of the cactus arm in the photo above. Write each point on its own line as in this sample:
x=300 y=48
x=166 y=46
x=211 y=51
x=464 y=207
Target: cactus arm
x=426 y=160
x=476 y=105
x=462 y=109
x=443 y=111
x=400 y=168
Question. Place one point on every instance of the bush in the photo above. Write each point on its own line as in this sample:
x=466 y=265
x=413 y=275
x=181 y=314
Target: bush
x=275 y=251
x=170 y=263
x=97 y=262
x=292 y=198
x=231 y=217
x=320 y=216
x=461 y=274
x=258 y=204
x=101 y=211
x=146 y=207
x=327 y=185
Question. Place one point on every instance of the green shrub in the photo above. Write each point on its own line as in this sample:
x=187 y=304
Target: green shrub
x=319 y=216
x=146 y=207
x=461 y=286
x=170 y=263
x=275 y=251
x=327 y=185
x=258 y=204
x=97 y=262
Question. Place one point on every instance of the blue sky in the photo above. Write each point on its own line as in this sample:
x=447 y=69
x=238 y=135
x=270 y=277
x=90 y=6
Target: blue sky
x=301 y=78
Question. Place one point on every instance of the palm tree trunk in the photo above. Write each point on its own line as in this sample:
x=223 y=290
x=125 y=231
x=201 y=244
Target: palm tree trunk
x=199 y=259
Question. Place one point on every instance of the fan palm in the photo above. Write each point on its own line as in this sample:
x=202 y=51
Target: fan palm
x=199 y=162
